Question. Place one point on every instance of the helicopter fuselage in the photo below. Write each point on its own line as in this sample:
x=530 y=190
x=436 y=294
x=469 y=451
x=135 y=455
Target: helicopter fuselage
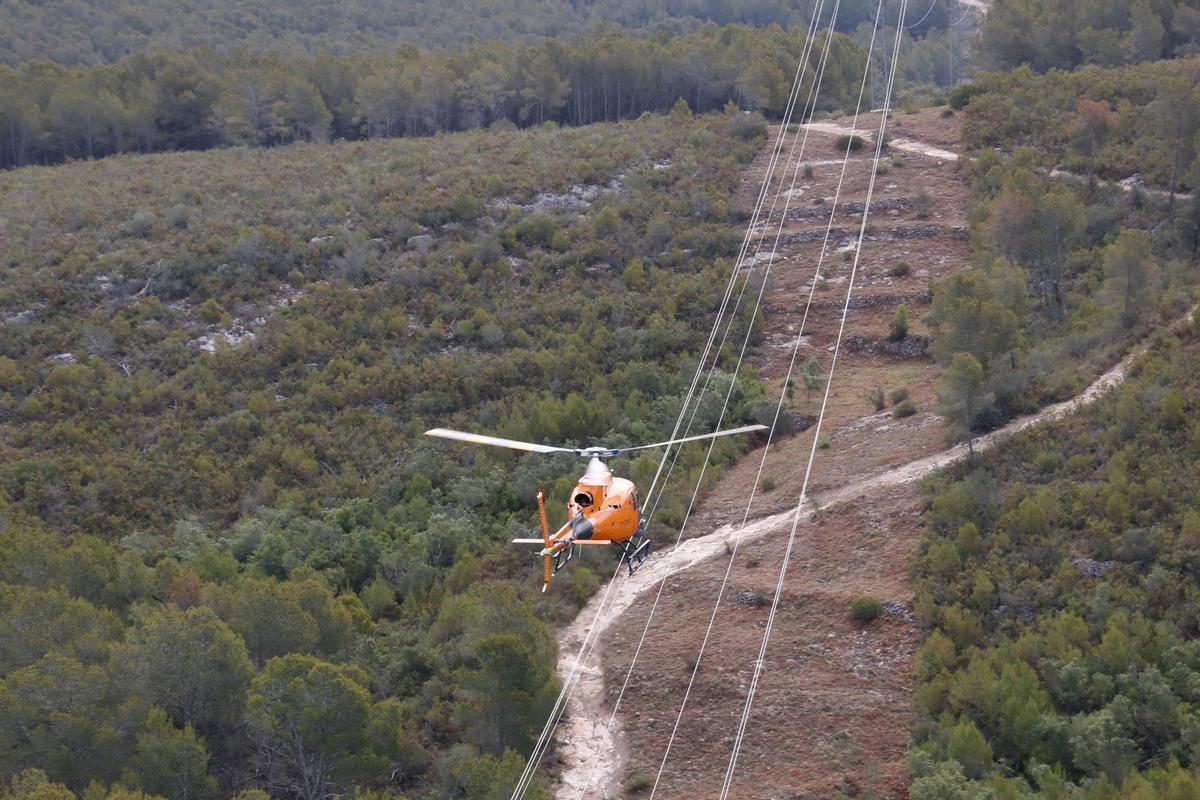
x=601 y=507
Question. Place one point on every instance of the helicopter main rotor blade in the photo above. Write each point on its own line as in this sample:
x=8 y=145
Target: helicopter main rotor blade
x=730 y=432
x=495 y=441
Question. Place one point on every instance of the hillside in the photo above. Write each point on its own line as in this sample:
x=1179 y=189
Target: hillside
x=834 y=714
x=214 y=371
x=251 y=253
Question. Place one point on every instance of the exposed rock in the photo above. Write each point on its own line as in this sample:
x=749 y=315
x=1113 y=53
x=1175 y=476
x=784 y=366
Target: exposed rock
x=909 y=347
x=852 y=208
x=750 y=597
x=319 y=239
x=917 y=231
x=897 y=609
x=1090 y=568
x=814 y=235
x=758 y=258
x=62 y=359
x=20 y=318
x=233 y=337
x=803 y=421
x=422 y=242
x=871 y=301
x=884 y=204
x=576 y=198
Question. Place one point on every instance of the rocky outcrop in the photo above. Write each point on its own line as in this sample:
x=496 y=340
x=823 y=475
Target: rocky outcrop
x=909 y=347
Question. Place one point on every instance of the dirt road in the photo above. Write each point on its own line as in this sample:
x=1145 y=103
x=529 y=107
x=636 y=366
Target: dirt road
x=586 y=730
x=833 y=709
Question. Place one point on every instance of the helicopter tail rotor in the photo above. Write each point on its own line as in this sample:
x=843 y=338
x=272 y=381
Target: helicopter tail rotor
x=547 y=570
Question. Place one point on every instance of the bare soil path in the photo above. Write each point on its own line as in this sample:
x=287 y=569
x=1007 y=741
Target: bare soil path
x=832 y=713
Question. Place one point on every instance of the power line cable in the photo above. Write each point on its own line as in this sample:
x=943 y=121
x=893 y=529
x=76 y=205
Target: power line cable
x=564 y=693
x=810 y=103
x=729 y=566
x=739 y=738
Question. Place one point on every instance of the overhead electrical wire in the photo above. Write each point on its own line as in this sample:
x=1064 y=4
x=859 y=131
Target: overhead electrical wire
x=792 y=156
x=555 y=715
x=737 y=538
x=760 y=661
x=593 y=629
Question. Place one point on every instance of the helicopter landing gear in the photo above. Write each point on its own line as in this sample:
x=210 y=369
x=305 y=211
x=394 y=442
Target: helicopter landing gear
x=563 y=557
x=637 y=549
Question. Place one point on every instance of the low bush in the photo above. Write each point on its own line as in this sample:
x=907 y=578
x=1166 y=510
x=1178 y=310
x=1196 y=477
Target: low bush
x=904 y=409
x=865 y=609
x=847 y=141
x=638 y=782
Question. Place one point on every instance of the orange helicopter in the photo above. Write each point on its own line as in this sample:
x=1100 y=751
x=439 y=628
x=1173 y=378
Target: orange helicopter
x=602 y=510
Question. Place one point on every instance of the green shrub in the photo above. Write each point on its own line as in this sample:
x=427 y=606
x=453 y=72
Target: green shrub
x=899 y=269
x=766 y=483
x=464 y=208
x=899 y=327
x=747 y=127
x=846 y=140
x=922 y=203
x=638 y=782
x=536 y=229
x=898 y=395
x=877 y=398
x=904 y=409
x=865 y=609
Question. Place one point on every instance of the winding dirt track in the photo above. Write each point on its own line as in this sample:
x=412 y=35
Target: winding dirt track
x=583 y=732
x=593 y=758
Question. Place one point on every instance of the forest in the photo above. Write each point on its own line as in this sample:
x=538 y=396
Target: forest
x=1062 y=34
x=223 y=541
x=1070 y=268
x=1055 y=579
x=1059 y=581
x=250 y=252
x=199 y=99
x=72 y=32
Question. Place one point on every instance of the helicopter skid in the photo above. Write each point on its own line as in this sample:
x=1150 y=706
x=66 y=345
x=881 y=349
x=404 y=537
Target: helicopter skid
x=635 y=556
x=636 y=550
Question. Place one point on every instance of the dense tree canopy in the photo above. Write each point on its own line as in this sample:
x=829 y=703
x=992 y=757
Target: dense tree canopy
x=1059 y=583
x=199 y=99
x=1048 y=34
x=1068 y=269
x=228 y=558
x=71 y=32
x=1110 y=122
